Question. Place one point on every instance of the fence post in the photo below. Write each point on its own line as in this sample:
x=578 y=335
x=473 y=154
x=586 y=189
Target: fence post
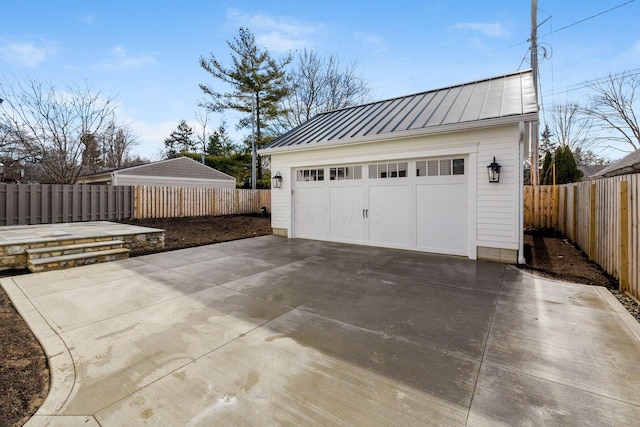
x=623 y=212
x=592 y=222
x=555 y=220
x=565 y=204
x=574 y=231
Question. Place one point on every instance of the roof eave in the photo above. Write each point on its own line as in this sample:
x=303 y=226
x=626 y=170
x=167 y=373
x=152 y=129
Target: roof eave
x=436 y=130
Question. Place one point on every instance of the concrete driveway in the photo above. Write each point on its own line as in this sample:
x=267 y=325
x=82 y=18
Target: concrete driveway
x=271 y=331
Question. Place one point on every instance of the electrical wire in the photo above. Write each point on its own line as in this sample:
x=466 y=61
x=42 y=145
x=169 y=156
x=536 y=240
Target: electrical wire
x=586 y=19
x=594 y=82
x=528 y=40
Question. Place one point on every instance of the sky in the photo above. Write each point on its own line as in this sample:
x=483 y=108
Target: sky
x=146 y=53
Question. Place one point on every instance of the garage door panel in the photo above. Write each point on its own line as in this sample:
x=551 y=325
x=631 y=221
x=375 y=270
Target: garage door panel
x=388 y=216
x=442 y=218
x=347 y=219
x=311 y=213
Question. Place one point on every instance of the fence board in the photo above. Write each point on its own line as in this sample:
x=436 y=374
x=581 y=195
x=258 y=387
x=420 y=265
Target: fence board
x=594 y=221
x=29 y=204
x=169 y=202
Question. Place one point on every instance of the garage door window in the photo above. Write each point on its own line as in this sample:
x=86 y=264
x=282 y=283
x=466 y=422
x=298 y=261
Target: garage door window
x=310 y=175
x=388 y=170
x=345 y=172
x=440 y=167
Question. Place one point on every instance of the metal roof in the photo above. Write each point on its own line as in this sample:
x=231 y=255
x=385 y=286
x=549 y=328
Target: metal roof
x=463 y=106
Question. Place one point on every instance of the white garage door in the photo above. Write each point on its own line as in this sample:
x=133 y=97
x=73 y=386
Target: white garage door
x=420 y=205
x=442 y=207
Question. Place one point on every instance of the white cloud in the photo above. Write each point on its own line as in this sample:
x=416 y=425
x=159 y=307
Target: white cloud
x=278 y=33
x=150 y=137
x=120 y=59
x=373 y=39
x=487 y=29
x=26 y=53
x=87 y=18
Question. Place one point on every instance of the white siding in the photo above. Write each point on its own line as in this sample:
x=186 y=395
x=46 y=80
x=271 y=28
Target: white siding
x=281 y=197
x=494 y=208
x=498 y=208
x=163 y=181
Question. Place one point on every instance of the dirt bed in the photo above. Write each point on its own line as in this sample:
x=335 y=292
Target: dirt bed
x=181 y=233
x=24 y=373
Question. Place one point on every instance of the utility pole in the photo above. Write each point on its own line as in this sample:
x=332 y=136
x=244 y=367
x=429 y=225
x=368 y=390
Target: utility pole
x=535 y=179
x=253 y=141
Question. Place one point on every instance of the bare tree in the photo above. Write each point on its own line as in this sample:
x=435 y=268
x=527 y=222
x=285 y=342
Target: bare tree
x=569 y=126
x=117 y=142
x=614 y=106
x=92 y=159
x=320 y=84
x=202 y=135
x=49 y=124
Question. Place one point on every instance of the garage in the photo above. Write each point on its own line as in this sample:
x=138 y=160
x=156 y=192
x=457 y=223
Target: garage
x=411 y=172
x=414 y=204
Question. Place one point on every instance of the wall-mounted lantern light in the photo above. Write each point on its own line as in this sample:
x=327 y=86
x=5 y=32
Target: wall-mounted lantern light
x=494 y=171
x=277 y=180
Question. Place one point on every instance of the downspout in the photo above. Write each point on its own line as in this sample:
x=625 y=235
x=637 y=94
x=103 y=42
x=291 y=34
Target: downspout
x=521 y=259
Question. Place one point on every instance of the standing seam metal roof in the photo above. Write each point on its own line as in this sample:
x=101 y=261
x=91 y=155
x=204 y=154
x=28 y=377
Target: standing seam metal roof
x=497 y=97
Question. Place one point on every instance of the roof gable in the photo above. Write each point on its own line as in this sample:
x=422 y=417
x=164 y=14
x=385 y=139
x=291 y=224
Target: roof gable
x=628 y=164
x=512 y=95
x=179 y=167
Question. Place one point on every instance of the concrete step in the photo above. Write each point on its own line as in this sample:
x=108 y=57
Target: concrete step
x=76 y=259
x=56 y=251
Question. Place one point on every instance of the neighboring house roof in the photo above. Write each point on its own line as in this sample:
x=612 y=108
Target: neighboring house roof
x=589 y=171
x=628 y=164
x=502 y=99
x=180 y=167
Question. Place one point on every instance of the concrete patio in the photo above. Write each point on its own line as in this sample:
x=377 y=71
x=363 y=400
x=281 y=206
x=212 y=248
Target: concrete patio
x=273 y=331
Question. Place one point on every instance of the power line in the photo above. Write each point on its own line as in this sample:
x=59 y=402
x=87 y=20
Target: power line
x=594 y=82
x=526 y=41
x=587 y=19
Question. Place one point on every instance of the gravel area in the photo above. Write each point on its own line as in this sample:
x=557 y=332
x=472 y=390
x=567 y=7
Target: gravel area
x=629 y=303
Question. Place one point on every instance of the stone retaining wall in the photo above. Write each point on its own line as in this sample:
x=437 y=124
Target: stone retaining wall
x=15 y=256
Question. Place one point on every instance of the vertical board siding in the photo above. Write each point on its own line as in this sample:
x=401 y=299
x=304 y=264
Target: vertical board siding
x=31 y=204
x=171 y=202
x=589 y=214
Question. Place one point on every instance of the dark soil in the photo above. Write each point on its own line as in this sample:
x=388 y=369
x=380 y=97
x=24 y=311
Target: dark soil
x=181 y=233
x=24 y=374
x=551 y=255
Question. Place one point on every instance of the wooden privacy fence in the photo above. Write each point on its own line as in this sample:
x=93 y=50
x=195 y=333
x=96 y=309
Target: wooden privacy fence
x=600 y=216
x=170 y=202
x=23 y=204
x=29 y=204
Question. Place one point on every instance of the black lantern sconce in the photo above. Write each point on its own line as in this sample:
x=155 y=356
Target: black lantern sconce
x=277 y=180
x=494 y=171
